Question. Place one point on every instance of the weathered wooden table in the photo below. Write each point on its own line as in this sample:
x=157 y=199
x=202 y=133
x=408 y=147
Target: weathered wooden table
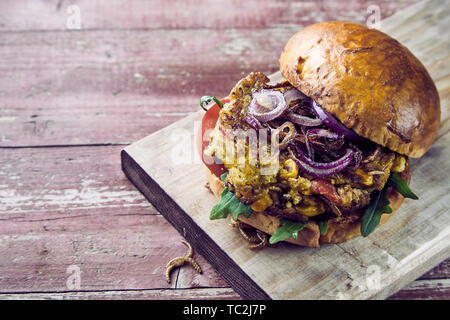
x=82 y=79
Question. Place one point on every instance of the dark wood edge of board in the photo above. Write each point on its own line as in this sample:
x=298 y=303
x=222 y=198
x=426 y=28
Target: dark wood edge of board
x=195 y=235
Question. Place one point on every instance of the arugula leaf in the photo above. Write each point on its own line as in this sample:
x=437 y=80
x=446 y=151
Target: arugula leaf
x=207 y=99
x=401 y=185
x=227 y=204
x=221 y=209
x=379 y=204
x=323 y=227
x=287 y=229
x=224 y=176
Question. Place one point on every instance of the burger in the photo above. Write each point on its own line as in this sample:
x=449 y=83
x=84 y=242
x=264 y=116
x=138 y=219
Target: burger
x=321 y=156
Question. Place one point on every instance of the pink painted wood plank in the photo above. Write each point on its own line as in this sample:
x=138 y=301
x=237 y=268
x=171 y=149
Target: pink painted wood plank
x=47 y=182
x=172 y=14
x=119 y=86
x=152 y=294
x=441 y=271
x=73 y=206
x=425 y=290
x=113 y=251
x=418 y=290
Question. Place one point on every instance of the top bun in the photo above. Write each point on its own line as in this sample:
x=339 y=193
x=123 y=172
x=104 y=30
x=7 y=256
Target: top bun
x=368 y=80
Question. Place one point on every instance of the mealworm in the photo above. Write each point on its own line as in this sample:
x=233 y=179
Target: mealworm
x=191 y=251
x=180 y=261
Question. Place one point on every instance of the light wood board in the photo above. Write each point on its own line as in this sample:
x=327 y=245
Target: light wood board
x=166 y=169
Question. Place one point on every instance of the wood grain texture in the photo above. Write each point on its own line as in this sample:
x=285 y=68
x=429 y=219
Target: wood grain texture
x=190 y=14
x=96 y=87
x=98 y=91
x=426 y=290
x=418 y=237
x=75 y=207
x=153 y=294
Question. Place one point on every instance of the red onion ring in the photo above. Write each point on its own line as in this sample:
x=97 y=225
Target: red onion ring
x=320 y=169
x=267 y=113
x=253 y=122
x=262 y=101
x=304 y=121
x=325 y=133
x=292 y=95
x=333 y=123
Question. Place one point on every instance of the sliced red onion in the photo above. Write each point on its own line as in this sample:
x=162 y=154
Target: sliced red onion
x=273 y=105
x=333 y=123
x=304 y=121
x=253 y=122
x=344 y=160
x=255 y=107
x=320 y=169
x=324 y=133
x=263 y=101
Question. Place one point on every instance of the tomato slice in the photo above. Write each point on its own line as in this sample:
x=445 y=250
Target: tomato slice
x=326 y=189
x=209 y=121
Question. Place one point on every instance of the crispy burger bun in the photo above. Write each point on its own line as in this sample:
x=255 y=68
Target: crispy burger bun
x=310 y=235
x=368 y=80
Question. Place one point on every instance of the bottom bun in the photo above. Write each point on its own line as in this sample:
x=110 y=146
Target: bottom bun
x=309 y=236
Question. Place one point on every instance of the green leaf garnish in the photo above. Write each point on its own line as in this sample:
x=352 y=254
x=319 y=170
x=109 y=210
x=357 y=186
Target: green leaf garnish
x=323 y=227
x=223 y=176
x=287 y=229
x=379 y=204
x=401 y=185
x=207 y=99
x=227 y=204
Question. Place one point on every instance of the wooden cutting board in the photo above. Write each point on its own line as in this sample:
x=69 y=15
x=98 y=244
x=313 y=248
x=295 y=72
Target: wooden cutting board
x=165 y=167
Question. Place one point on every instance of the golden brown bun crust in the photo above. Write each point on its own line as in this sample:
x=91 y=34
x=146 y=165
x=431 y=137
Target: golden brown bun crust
x=368 y=80
x=310 y=235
